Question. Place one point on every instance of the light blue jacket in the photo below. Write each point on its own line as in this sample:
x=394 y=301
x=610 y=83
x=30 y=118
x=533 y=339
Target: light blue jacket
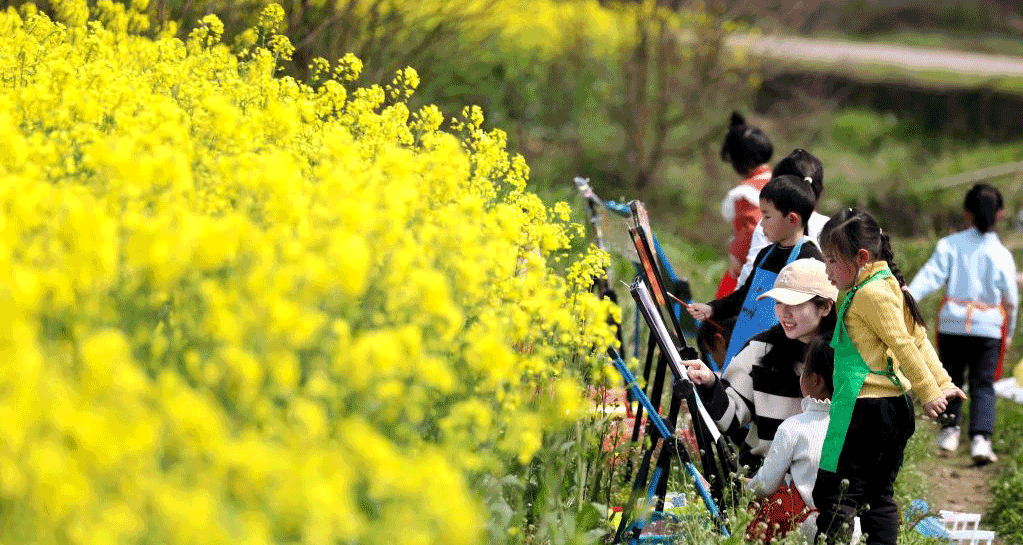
x=979 y=276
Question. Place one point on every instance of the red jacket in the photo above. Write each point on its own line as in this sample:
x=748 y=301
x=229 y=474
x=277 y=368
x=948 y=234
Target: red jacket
x=742 y=207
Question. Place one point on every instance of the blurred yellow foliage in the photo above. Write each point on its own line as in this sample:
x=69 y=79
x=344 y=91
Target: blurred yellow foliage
x=240 y=308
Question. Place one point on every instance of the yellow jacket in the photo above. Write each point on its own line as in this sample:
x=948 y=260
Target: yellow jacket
x=880 y=326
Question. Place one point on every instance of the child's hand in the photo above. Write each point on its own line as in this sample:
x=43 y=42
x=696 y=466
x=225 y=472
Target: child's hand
x=935 y=407
x=954 y=392
x=699 y=311
x=951 y=393
x=699 y=373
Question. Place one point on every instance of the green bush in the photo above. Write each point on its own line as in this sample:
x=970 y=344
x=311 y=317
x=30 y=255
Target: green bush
x=861 y=131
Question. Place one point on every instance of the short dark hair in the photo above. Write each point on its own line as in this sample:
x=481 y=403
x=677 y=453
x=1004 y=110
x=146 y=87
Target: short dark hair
x=983 y=201
x=790 y=193
x=803 y=164
x=820 y=359
x=705 y=333
x=745 y=147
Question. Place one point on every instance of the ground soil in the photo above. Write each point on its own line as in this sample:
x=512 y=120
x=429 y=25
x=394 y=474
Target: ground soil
x=956 y=484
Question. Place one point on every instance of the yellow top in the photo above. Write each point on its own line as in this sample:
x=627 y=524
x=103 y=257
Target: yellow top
x=880 y=326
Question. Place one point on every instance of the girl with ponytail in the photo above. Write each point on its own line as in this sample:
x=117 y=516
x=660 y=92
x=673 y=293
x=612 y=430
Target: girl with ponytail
x=977 y=317
x=881 y=352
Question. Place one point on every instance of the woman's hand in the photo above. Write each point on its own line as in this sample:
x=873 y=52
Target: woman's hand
x=699 y=373
x=699 y=311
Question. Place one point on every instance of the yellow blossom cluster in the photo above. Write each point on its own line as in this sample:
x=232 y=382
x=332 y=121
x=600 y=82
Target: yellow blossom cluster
x=550 y=27
x=547 y=26
x=242 y=308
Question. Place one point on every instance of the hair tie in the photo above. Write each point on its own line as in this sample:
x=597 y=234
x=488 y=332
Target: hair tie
x=808 y=180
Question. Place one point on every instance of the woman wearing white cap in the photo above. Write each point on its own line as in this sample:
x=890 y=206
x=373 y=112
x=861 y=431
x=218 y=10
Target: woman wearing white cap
x=761 y=385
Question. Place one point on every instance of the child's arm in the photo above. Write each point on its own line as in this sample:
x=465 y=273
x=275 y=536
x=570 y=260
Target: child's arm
x=930 y=356
x=948 y=388
x=880 y=309
x=934 y=273
x=776 y=464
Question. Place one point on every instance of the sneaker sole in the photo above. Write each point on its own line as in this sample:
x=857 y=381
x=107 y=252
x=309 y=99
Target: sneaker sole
x=984 y=460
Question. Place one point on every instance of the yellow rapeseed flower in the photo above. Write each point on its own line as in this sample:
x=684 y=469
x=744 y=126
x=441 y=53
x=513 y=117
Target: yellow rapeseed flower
x=236 y=307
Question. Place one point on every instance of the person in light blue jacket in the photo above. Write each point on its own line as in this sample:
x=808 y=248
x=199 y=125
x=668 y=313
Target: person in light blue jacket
x=977 y=318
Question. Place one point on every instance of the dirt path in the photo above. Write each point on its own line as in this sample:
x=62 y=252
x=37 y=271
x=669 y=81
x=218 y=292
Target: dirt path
x=958 y=485
x=900 y=56
x=955 y=483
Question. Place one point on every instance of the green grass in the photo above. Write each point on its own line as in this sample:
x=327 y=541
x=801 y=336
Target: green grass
x=911 y=483
x=1005 y=514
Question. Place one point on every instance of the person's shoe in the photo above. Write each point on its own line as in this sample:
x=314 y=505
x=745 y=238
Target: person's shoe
x=981 y=451
x=948 y=439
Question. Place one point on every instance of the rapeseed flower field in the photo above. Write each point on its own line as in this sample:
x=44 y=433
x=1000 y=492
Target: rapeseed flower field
x=242 y=308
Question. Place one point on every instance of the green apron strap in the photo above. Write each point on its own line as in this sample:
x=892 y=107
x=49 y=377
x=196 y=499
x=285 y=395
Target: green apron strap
x=890 y=373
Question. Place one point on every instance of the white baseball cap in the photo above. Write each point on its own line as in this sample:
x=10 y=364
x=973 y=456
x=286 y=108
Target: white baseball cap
x=800 y=281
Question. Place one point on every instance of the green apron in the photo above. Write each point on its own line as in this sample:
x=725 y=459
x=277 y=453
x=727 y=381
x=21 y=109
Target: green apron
x=850 y=372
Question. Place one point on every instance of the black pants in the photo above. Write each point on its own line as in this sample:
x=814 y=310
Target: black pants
x=980 y=356
x=865 y=478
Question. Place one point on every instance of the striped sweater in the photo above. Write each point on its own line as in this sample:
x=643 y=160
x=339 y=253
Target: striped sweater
x=759 y=388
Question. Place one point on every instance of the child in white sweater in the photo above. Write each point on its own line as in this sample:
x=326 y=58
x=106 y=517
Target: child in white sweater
x=785 y=482
x=977 y=319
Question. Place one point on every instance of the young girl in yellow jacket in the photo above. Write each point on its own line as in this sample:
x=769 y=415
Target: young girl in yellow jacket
x=881 y=352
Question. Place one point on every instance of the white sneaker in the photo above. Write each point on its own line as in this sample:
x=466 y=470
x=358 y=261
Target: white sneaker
x=981 y=451
x=948 y=439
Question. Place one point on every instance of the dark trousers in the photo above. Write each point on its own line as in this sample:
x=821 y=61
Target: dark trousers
x=865 y=478
x=978 y=355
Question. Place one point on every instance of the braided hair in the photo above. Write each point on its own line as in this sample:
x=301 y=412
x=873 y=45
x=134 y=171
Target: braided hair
x=850 y=230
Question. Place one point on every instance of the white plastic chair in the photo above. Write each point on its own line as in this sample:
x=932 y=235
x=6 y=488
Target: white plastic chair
x=955 y=520
x=963 y=528
x=972 y=537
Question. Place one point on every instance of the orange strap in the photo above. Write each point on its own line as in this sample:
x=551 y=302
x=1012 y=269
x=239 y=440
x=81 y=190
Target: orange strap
x=970 y=307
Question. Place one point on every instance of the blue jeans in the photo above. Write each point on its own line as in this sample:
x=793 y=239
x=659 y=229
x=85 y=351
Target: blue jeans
x=977 y=357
